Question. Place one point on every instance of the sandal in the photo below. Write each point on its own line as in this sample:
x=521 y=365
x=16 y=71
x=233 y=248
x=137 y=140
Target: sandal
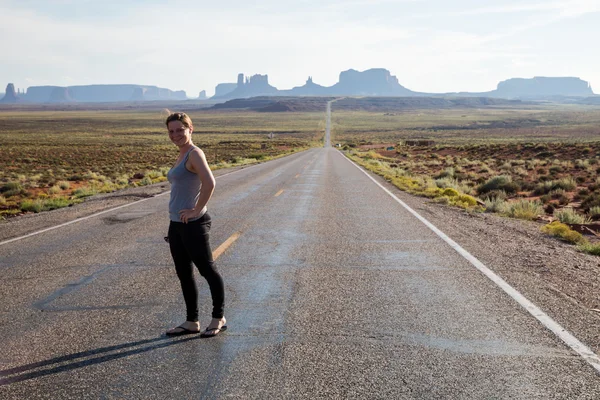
x=210 y=332
x=181 y=331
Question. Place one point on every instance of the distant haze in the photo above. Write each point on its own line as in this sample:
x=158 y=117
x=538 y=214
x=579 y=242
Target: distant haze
x=434 y=46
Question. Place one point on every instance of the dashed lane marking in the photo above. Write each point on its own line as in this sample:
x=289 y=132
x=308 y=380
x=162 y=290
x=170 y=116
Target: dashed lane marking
x=225 y=245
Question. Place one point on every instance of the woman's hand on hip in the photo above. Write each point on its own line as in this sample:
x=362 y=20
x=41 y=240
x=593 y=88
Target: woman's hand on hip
x=186 y=215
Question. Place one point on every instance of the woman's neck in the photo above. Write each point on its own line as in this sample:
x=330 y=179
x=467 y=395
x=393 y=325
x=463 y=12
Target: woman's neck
x=186 y=147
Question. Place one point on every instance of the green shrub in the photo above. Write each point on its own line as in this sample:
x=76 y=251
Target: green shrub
x=524 y=209
x=590 y=248
x=31 y=205
x=595 y=211
x=501 y=182
x=13 y=187
x=449 y=192
x=54 y=190
x=560 y=230
x=592 y=200
x=55 y=202
x=83 y=191
x=495 y=204
x=570 y=216
x=64 y=185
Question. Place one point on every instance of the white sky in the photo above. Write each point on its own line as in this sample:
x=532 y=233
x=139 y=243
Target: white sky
x=430 y=45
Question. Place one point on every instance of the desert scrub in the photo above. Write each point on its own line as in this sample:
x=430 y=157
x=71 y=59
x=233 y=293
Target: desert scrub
x=10 y=189
x=570 y=216
x=594 y=212
x=500 y=182
x=64 y=185
x=562 y=231
x=54 y=190
x=566 y=184
x=523 y=209
x=83 y=191
x=590 y=248
x=495 y=204
x=454 y=184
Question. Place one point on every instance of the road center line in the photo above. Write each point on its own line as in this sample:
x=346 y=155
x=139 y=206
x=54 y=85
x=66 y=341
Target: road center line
x=585 y=352
x=278 y=193
x=225 y=245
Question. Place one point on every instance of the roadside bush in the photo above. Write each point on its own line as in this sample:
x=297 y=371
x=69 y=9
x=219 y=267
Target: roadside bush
x=595 y=212
x=494 y=194
x=562 y=231
x=590 y=248
x=570 y=216
x=593 y=200
x=31 y=205
x=10 y=187
x=64 y=185
x=495 y=204
x=83 y=191
x=447 y=173
x=565 y=184
x=54 y=190
x=501 y=182
x=524 y=209
x=55 y=202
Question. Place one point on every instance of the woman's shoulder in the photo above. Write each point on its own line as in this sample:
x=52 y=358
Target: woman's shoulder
x=197 y=151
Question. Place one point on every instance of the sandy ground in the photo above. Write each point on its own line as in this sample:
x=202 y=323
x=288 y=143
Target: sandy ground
x=560 y=280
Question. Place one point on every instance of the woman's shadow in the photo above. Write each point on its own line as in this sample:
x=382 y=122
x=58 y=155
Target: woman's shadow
x=79 y=360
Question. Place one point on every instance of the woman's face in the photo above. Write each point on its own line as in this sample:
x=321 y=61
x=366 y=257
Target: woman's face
x=179 y=134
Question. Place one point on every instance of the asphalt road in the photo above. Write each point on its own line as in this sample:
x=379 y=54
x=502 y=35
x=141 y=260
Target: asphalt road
x=333 y=290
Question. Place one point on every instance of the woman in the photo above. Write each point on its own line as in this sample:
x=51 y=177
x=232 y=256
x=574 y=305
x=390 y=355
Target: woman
x=192 y=185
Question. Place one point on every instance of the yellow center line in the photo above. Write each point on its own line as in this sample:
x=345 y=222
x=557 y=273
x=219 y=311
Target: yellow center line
x=225 y=245
x=278 y=193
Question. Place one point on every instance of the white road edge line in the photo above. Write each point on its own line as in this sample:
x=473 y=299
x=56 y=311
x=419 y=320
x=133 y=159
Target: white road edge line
x=102 y=212
x=585 y=352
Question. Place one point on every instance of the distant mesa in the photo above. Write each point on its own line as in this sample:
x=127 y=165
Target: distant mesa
x=542 y=87
x=92 y=93
x=372 y=82
x=223 y=89
x=202 y=95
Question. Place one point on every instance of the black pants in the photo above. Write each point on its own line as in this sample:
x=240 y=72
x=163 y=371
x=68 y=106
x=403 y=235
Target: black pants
x=189 y=243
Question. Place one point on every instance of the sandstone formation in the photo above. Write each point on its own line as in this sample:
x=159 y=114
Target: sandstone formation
x=202 y=95
x=542 y=87
x=98 y=93
x=255 y=85
x=223 y=89
x=372 y=82
x=379 y=82
x=10 y=96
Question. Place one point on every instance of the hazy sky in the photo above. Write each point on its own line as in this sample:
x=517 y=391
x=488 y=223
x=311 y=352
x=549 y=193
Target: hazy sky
x=430 y=45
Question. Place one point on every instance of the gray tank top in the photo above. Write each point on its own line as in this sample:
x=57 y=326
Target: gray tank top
x=185 y=189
